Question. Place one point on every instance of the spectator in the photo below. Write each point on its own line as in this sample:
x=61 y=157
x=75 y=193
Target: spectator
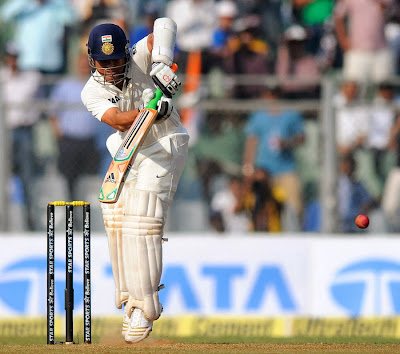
x=226 y=212
x=218 y=150
x=271 y=13
x=392 y=32
x=97 y=11
x=264 y=201
x=19 y=92
x=227 y=12
x=272 y=137
x=391 y=191
x=381 y=119
x=366 y=53
x=40 y=31
x=329 y=54
x=311 y=218
x=314 y=13
x=224 y=34
x=353 y=197
x=249 y=56
x=352 y=119
x=295 y=64
x=74 y=128
x=316 y=17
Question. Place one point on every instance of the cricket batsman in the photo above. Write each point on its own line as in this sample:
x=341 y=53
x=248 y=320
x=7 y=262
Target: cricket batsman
x=123 y=81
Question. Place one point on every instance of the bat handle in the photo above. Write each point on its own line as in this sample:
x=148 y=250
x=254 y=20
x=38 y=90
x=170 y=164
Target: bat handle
x=153 y=102
x=174 y=67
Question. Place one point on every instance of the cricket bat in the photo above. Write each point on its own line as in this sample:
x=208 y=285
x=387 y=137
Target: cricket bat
x=128 y=150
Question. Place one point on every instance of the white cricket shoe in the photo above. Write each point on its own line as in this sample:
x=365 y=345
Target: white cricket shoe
x=125 y=322
x=139 y=327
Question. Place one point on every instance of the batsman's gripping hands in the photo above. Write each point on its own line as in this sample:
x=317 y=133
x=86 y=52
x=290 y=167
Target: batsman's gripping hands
x=165 y=79
x=158 y=102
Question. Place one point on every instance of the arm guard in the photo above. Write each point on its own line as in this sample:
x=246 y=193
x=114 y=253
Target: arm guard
x=164 y=33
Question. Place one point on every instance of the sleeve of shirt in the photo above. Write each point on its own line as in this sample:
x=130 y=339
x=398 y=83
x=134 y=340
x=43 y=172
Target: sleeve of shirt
x=96 y=104
x=142 y=56
x=251 y=126
x=218 y=39
x=11 y=9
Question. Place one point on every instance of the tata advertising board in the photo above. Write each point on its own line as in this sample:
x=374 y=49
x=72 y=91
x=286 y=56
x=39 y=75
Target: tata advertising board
x=211 y=275
x=355 y=277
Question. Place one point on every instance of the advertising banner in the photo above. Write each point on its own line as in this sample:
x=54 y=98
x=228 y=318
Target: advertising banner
x=260 y=276
x=355 y=277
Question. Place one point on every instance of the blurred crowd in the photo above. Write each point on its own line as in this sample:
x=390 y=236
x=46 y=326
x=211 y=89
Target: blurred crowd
x=246 y=161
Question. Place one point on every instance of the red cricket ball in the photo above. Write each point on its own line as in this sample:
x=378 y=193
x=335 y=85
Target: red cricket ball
x=362 y=221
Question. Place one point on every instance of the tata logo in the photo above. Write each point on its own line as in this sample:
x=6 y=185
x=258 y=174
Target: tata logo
x=369 y=287
x=23 y=286
x=270 y=281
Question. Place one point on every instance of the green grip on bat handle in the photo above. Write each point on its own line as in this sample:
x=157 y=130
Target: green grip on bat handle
x=153 y=102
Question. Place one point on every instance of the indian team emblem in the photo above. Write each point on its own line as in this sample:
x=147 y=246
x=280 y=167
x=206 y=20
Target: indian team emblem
x=107 y=48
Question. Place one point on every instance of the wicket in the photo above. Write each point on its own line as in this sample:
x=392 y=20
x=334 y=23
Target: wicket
x=69 y=289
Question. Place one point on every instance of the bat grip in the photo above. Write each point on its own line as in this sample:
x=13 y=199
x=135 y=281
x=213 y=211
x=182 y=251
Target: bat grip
x=153 y=102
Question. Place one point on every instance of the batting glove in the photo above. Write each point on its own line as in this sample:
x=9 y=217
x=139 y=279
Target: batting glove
x=147 y=96
x=164 y=108
x=165 y=79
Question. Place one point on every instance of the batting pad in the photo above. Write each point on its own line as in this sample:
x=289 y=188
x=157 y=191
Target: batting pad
x=112 y=215
x=142 y=229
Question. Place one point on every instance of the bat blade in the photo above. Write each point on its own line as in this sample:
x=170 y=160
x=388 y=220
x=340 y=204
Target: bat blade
x=123 y=159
